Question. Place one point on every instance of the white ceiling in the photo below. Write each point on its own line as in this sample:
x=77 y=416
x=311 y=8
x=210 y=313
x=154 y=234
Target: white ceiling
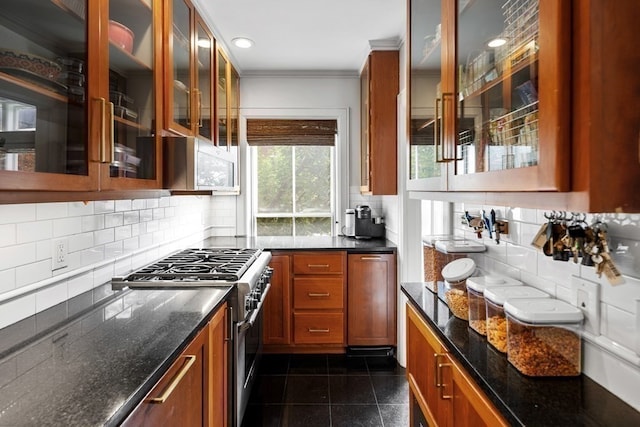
x=303 y=35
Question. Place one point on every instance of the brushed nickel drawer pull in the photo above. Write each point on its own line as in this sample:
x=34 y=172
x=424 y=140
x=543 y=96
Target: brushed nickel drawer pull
x=176 y=380
x=318 y=331
x=318 y=265
x=442 y=395
x=318 y=295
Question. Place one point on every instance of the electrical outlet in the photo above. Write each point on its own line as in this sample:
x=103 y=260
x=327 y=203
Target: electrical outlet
x=587 y=299
x=59 y=254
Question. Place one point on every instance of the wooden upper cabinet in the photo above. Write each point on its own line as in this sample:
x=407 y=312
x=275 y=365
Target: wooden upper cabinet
x=190 y=60
x=484 y=118
x=379 y=87
x=371 y=284
x=78 y=103
x=228 y=103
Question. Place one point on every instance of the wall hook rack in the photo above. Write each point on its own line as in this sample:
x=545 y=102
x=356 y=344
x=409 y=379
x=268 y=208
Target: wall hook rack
x=495 y=227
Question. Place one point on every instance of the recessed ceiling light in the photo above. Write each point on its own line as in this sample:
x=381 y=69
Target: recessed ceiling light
x=497 y=42
x=242 y=42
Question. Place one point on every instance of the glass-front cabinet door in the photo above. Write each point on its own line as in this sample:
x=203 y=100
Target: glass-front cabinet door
x=77 y=110
x=205 y=48
x=508 y=120
x=427 y=170
x=221 y=99
x=44 y=126
x=132 y=47
x=178 y=108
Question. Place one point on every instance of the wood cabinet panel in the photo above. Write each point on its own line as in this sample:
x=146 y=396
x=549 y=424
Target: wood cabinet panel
x=318 y=293
x=319 y=263
x=277 y=307
x=446 y=394
x=318 y=328
x=218 y=378
x=371 y=299
x=180 y=397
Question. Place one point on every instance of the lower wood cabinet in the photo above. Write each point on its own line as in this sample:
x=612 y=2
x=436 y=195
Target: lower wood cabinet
x=195 y=389
x=277 y=306
x=180 y=397
x=445 y=393
x=371 y=299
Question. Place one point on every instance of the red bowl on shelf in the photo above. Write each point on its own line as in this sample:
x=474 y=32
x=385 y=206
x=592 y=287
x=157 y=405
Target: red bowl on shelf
x=121 y=36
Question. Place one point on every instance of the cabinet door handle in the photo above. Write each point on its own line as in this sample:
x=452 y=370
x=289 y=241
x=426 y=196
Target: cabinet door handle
x=442 y=395
x=318 y=265
x=229 y=331
x=318 y=331
x=437 y=379
x=318 y=295
x=106 y=154
x=176 y=380
x=370 y=258
x=437 y=124
x=198 y=112
x=111 y=149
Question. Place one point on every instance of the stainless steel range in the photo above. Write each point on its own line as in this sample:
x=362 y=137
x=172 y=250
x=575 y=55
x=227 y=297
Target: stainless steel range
x=247 y=271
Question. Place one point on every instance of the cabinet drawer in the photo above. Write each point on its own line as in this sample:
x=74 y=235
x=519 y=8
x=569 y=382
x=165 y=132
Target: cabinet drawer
x=318 y=292
x=319 y=263
x=318 y=328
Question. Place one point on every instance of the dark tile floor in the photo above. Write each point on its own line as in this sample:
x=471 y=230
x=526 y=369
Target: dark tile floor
x=328 y=391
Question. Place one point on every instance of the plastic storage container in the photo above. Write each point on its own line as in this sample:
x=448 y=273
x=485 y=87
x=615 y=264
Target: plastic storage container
x=543 y=338
x=455 y=276
x=475 y=288
x=434 y=260
x=495 y=298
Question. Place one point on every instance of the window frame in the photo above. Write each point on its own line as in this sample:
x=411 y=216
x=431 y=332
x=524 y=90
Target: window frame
x=247 y=204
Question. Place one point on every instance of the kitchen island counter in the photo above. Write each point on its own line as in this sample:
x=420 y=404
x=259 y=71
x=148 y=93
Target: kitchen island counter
x=315 y=243
x=523 y=401
x=95 y=368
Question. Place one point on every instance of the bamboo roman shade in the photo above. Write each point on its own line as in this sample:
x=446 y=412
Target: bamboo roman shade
x=291 y=132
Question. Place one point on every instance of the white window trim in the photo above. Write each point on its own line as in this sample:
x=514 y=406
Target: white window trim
x=246 y=201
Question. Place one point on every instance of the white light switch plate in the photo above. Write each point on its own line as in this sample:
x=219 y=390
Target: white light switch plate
x=586 y=296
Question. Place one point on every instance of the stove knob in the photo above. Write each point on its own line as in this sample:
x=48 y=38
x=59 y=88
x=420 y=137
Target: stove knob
x=252 y=303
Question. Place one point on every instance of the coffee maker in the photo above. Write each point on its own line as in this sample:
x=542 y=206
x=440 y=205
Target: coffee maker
x=367 y=227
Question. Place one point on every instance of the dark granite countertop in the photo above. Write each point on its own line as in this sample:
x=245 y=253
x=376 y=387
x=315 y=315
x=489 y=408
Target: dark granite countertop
x=320 y=243
x=94 y=369
x=525 y=401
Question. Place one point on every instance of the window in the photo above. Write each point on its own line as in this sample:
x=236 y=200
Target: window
x=294 y=176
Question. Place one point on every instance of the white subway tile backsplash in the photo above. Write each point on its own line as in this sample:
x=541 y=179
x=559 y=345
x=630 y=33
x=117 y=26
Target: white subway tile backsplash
x=66 y=226
x=79 y=242
x=52 y=295
x=138 y=204
x=7 y=280
x=621 y=296
x=522 y=258
x=151 y=203
x=13 y=214
x=104 y=206
x=34 y=272
x=123 y=232
x=33 y=231
x=131 y=217
x=146 y=215
x=164 y=202
x=43 y=249
x=539 y=283
x=123 y=205
x=618 y=325
x=52 y=210
x=158 y=213
x=13 y=256
x=80 y=208
x=130 y=245
x=92 y=256
x=92 y=222
x=113 y=220
x=101 y=237
x=113 y=250
x=7 y=235
x=17 y=309
x=122 y=267
x=556 y=271
x=80 y=284
x=103 y=274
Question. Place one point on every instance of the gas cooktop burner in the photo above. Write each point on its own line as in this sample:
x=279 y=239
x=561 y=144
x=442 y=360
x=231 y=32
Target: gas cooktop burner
x=199 y=264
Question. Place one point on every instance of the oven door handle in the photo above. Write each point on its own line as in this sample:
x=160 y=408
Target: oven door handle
x=242 y=326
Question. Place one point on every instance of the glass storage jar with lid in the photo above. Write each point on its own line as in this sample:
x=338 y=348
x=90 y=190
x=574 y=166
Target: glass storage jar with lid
x=543 y=337
x=476 y=287
x=496 y=322
x=455 y=276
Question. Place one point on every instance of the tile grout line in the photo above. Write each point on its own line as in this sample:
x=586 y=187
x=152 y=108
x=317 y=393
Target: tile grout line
x=375 y=395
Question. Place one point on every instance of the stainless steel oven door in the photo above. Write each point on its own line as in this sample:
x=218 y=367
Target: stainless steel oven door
x=248 y=352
